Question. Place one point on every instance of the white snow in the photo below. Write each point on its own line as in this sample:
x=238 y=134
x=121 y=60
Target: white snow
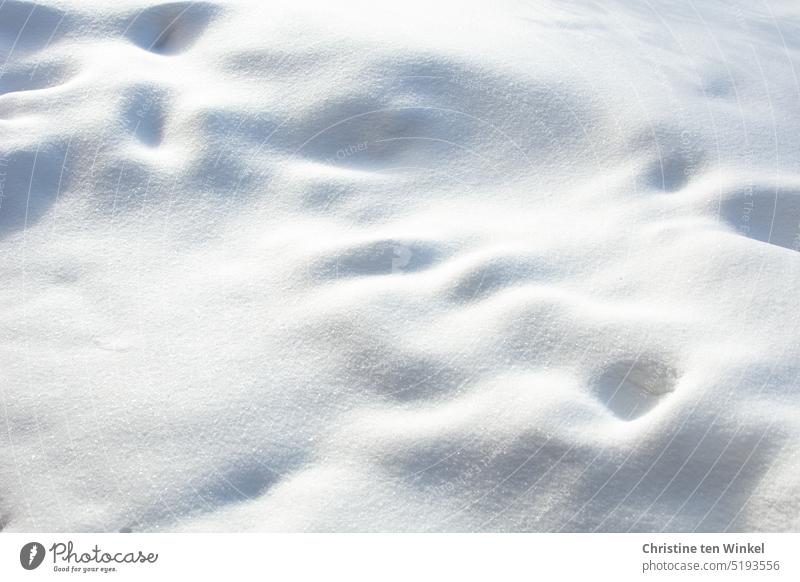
x=428 y=266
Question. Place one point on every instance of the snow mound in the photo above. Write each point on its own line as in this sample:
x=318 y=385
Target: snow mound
x=416 y=266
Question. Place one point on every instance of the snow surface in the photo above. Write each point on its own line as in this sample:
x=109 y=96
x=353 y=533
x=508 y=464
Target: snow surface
x=420 y=266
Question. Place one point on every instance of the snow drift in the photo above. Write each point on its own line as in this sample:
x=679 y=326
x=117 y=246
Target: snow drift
x=519 y=266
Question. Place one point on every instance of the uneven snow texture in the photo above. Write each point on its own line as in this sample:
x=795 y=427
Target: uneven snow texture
x=429 y=266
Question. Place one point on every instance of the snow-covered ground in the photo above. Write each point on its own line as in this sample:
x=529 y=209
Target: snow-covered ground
x=422 y=266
